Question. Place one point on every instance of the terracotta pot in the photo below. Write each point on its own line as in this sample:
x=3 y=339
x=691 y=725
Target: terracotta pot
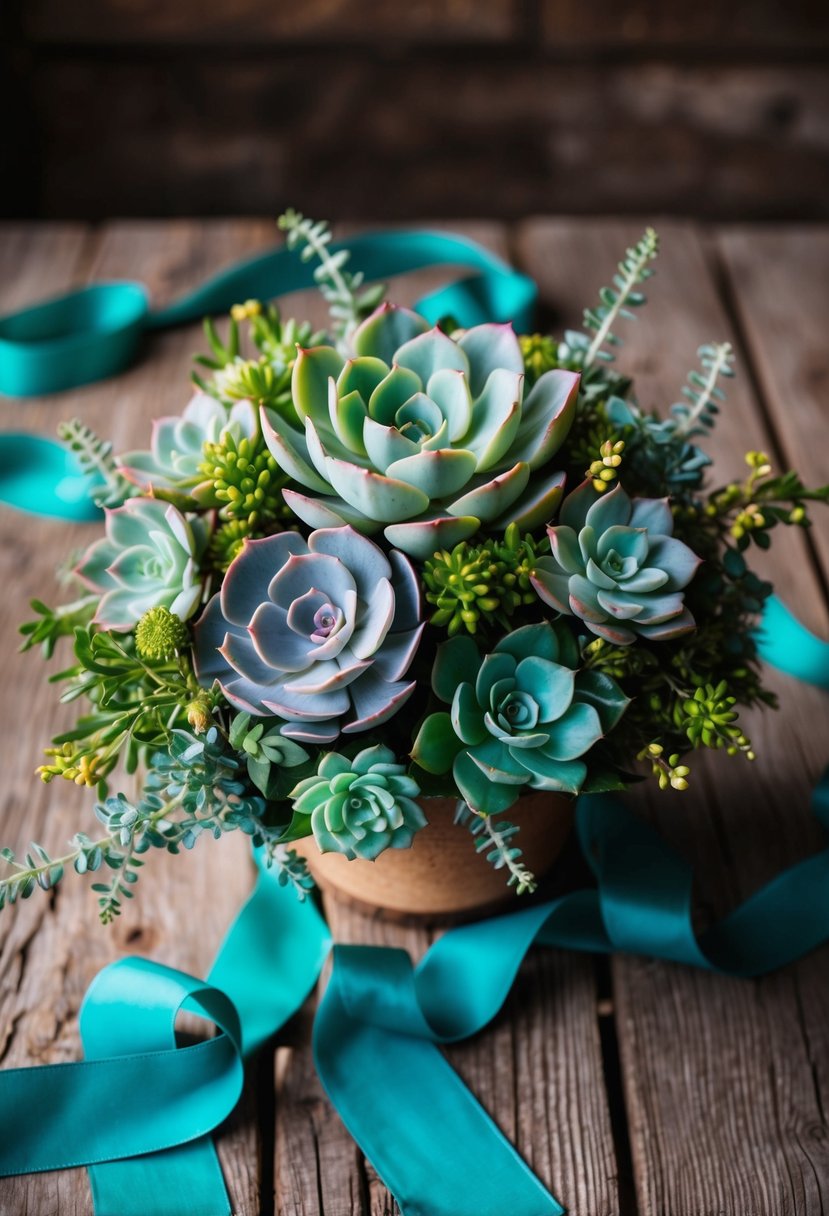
x=440 y=878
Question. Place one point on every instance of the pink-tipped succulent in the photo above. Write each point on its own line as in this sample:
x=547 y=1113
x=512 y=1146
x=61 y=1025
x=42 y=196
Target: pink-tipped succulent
x=177 y=445
x=149 y=558
x=616 y=564
x=422 y=435
x=319 y=633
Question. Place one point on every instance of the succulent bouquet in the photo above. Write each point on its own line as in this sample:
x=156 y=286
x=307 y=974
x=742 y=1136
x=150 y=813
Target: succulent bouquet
x=399 y=561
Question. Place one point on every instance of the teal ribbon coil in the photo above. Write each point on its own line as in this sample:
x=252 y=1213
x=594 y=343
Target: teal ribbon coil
x=140 y=1107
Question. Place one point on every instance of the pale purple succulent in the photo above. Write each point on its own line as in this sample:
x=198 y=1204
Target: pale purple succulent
x=319 y=633
x=177 y=444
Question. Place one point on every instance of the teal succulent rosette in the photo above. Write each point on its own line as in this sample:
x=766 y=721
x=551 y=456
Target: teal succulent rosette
x=360 y=807
x=617 y=566
x=399 y=560
x=519 y=717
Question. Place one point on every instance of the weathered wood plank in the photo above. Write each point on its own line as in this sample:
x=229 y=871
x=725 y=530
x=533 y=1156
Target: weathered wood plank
x=777 y=279
x=649 y=25
x=50 y=948
x=240 y=134
x=726 y=1081
x=252 y=22
x=538 y=1069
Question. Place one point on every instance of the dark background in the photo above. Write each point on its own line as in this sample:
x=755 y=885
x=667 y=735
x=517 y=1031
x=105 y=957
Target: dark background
x=432 y=108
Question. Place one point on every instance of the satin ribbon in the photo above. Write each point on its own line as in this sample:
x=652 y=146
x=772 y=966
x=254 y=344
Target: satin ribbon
x=376 y=1034
x=96 y=331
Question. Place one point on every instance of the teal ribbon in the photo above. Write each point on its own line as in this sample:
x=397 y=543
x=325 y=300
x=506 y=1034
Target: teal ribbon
x=97 y=331
x=139 y=1109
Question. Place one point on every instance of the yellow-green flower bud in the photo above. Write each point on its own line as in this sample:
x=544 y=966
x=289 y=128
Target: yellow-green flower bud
x=159 y=634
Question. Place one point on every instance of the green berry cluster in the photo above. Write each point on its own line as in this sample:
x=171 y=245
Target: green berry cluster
x=708 y=719
x=246 y=480
x=478 y=585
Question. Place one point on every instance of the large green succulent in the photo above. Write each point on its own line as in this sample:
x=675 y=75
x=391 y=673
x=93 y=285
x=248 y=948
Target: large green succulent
x=422 y=435
x=616 y=565
x=360 y=807
x=520 y=716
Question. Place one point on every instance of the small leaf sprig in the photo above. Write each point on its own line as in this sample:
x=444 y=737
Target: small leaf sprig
x=493 y=839
x=349 y=302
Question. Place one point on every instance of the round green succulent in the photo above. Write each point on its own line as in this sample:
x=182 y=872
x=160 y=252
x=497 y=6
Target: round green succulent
x=150 y=557
x=360 y=807
x=520 y=716
x=422 y=435
x=617 y=566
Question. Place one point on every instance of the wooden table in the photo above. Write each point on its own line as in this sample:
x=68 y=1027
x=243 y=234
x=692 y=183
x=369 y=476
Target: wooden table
x=631 y=1086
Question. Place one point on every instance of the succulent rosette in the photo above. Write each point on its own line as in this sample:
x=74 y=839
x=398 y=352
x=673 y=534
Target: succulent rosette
x=617 y=566
x=177 y=444
x=520 y=716
x=422 y=435
x=150 y=557
x=360 y=807
x=319 y=633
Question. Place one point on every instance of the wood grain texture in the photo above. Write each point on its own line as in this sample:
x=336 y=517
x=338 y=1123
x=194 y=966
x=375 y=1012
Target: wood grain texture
x=777 y=280
x=264 y=23
x=50 y=948
x=230 y=133
x=643 y=25
x=726 y=1080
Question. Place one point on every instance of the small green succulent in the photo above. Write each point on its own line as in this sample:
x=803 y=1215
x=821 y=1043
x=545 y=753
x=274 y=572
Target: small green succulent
x=474 y=585
x=242 y=479
x=360 y=807
x=150 y=557
x=617 y=566
x=520 y=716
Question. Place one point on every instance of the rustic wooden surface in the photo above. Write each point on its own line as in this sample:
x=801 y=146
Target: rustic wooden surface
x=146 y=107
x=637 y=1087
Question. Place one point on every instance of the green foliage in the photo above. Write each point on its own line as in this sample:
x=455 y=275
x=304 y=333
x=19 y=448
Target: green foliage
x=617 y=301
x=493 y=839
x=56 y=623
x=108 y=486
x=272 y=760
x=245 y=480
x=349 y=302
x=697 y=414
x=266 y=379
x=135 y=703
x=476 y=587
